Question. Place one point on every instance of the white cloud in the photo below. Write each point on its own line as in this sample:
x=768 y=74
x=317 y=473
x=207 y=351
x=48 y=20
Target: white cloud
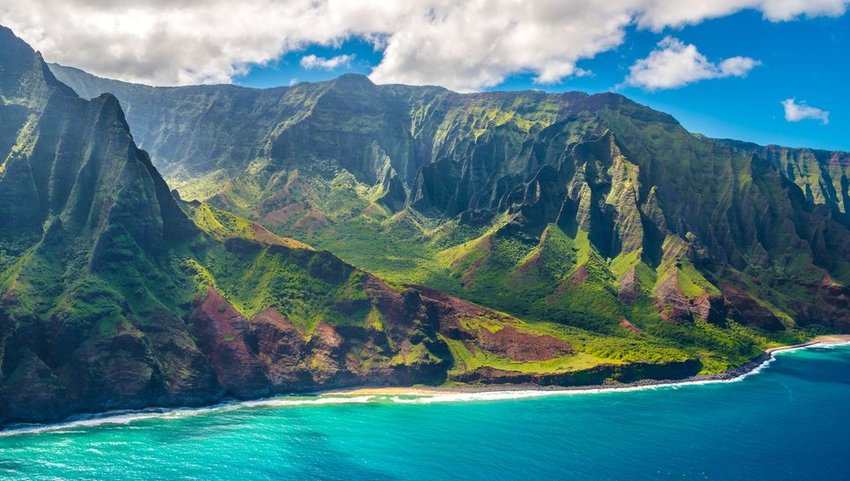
x=657 y=14
x=462 y=44
x=580 y=72
x=312 y=61
x=675 y=64
x=795 y=112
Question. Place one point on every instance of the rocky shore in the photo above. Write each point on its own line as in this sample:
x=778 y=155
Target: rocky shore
x=416 y=391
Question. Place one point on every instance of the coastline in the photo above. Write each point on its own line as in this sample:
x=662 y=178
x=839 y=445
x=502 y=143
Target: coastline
x=827 y=339
x=414 y=394
x=726 y=376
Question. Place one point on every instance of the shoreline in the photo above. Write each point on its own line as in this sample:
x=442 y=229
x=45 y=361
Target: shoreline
x=827 y=339
x=730 y=375
x=414 y=394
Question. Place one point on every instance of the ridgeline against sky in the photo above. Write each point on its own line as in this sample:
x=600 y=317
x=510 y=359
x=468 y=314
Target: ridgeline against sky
x=769 y=71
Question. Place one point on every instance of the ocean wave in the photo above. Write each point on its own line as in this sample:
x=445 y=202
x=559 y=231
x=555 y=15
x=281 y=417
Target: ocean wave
x=821 y=345
x=129 y=417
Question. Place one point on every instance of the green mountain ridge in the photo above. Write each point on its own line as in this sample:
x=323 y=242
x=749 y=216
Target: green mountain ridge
x=115 y=294
x=458 y=191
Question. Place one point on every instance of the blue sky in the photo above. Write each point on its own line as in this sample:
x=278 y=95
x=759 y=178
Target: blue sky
x=807 y=59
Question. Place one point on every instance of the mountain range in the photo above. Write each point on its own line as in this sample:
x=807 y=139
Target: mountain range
x=344 y=233
x=505 y=197
x=117 y=295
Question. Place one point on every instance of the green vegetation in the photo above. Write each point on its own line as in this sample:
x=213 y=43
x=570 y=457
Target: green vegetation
x=467 y=360
x=572 y=210
x=594 y=230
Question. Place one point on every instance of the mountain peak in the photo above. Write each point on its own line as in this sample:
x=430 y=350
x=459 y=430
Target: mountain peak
x=353 y=81
x=21 y=66
x=73 y=159
x=354 y=77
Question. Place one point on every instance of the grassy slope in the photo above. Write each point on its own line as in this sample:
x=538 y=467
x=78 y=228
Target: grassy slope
x=489 y=269
x=271 y=282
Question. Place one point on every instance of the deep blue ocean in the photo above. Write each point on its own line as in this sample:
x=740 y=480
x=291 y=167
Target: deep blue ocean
x=790 y=421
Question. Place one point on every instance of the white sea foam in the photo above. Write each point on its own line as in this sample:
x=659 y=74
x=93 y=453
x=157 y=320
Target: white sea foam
x=823 y=345
x=125 y=418
x=290 y=401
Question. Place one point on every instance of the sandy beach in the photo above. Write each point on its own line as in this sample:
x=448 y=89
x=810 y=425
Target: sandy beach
x=827 y=339
x=422 y=391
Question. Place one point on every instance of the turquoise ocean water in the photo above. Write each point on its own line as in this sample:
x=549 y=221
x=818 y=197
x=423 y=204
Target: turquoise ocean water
x=790 y=421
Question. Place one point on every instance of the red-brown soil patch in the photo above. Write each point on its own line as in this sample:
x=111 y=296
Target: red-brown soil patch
x=511 y=343
x=626 y=324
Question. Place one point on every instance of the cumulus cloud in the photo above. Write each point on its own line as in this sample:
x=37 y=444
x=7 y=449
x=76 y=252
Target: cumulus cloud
x=675 y=64
x=461 y=44
x=657 y=14
x=312 y=61
x=795 y=112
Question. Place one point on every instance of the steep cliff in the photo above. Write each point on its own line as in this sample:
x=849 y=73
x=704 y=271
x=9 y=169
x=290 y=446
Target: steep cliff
x=583 y=209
